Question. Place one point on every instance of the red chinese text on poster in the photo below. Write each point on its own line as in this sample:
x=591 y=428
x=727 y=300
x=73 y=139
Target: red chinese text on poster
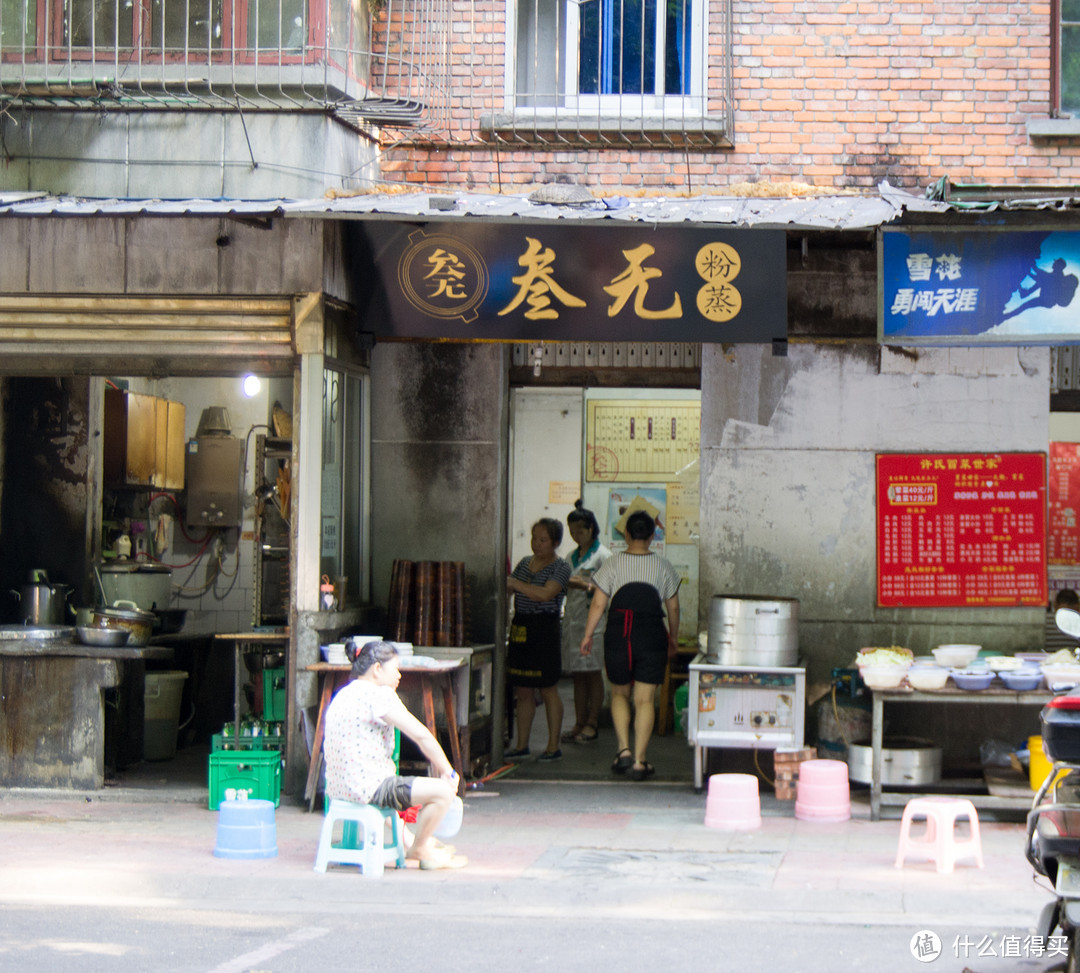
x=958 y=529
x=1063 y=504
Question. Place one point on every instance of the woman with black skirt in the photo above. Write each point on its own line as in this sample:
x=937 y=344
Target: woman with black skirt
x=534 y=656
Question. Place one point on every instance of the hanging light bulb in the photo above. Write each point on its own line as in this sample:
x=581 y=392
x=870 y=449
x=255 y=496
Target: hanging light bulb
x=251 y=385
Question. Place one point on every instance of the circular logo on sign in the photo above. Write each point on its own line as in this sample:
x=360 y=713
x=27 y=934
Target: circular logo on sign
x=718 y=264
x=442 y=277
x=925 y=946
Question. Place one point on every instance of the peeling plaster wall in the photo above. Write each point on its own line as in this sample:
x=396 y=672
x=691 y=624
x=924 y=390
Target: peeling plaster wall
x=788 y=478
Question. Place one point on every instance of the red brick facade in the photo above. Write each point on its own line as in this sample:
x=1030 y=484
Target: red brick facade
x=830 y=94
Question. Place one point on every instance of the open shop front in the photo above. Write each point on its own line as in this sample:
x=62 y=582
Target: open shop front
x=180 y=471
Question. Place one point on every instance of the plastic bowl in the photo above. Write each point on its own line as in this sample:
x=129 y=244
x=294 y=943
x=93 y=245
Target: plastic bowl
x=972 y=679
x=1021 y=680
x=927 y=677
x=883 y=677
x=956 y=656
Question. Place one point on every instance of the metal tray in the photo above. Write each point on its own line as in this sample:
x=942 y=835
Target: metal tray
x=35 y=633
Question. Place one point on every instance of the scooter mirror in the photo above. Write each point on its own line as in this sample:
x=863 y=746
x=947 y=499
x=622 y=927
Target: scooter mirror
x=1068 y=620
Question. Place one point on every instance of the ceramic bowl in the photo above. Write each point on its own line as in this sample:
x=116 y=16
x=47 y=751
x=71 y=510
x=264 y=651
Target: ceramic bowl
x=927 y=677
x=956 y=656
x=972 y=679
x=1021 y=680
x=883 y=677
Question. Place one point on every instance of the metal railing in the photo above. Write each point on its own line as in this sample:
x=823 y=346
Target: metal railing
x=388 y=61
x=518 y=72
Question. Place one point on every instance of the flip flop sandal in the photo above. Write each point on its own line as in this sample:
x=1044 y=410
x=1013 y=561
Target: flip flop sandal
x=443 y=861
x=640 y=773
x=571 y=735
x=622 y=764
x=583 y=737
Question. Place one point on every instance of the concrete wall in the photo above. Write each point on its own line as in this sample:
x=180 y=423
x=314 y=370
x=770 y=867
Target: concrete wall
x=788 y=479
x=439 y=468
x=177 y=155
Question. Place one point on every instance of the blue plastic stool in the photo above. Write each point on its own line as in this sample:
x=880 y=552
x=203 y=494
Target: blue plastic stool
x=246 y=829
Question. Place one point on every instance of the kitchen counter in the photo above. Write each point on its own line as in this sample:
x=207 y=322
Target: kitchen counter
x=52 y=722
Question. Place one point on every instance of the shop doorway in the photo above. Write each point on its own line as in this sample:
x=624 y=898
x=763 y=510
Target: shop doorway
x=548 y=432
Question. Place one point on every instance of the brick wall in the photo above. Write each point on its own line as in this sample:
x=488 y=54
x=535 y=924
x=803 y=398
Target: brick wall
x=837 y=95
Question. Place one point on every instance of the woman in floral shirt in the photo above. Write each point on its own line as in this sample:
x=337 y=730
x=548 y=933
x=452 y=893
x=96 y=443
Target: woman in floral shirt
x=359 y=749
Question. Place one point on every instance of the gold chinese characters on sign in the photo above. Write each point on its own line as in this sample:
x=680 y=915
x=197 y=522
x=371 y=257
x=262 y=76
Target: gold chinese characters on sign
x=443 y=277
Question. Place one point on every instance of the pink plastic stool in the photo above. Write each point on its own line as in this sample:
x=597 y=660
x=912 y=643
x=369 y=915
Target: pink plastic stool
x=822 y=792
x=939 y=843
x=733 y=802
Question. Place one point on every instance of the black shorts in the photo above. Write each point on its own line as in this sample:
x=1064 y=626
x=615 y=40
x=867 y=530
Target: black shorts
x=534 y=655
x=394 y=793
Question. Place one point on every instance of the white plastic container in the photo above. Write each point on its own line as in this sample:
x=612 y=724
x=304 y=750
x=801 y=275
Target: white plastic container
x=161 y=714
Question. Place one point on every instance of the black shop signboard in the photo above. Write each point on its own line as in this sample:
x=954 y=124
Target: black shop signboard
x=524 y=282
x=961 y=529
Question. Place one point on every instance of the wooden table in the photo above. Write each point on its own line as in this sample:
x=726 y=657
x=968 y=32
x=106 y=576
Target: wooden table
x=333 y=677
x=985 y=697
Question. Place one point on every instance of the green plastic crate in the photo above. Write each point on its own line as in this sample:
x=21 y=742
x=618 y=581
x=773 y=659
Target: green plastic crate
x=273 y=694
x=256 y=771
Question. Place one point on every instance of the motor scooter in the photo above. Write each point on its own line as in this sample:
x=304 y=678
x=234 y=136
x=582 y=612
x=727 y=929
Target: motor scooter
x=1053 y=823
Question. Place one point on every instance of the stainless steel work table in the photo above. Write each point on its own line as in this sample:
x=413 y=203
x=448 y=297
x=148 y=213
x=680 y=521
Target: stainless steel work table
x=996 y=696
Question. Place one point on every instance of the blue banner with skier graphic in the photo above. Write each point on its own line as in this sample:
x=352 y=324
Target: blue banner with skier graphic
x=978 y=286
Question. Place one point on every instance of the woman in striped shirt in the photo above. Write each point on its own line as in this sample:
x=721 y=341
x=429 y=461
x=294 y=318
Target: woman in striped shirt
x=534 y=655
x=638 y=585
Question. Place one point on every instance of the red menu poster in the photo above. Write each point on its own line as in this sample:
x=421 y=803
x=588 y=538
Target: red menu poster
x=1063 y=504
x=958 y=529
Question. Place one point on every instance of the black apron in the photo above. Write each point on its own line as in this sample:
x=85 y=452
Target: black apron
x=534 y=655
x=636 y=639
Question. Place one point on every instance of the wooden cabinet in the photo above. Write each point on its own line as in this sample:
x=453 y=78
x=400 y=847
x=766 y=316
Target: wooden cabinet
x=143 y=441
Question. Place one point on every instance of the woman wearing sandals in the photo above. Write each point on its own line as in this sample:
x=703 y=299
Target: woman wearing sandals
x=359 y=751
x=586 y=670
x=637 y=585
x=534 y=654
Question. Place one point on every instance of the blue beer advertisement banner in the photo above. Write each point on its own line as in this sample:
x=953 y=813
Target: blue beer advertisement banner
x=524 y=282
x=978 y=286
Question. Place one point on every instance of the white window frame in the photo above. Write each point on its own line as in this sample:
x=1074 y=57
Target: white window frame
x=690 y=104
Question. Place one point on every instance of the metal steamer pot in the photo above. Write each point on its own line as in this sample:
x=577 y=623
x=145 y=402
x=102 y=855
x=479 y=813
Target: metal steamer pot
x=748 y=630
x=125 y=615
x=40 y=602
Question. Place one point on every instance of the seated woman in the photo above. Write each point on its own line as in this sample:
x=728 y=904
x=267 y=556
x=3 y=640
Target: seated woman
x=359 y=747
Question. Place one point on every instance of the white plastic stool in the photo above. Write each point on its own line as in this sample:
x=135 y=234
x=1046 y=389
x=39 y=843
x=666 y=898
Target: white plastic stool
x=940 y=843
x=363 y=847
x=733 y=802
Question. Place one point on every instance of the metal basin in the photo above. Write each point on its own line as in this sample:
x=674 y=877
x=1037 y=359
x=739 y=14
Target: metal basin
x=35 y=633
x=110 y=638
x=905 y=762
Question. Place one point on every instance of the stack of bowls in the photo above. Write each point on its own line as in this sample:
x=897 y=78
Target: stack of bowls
x=334 y=653
x=973 y=679
x=922 y=676
x=956 y=655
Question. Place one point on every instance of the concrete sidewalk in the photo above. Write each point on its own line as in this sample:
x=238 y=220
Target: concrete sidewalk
x=534 y=848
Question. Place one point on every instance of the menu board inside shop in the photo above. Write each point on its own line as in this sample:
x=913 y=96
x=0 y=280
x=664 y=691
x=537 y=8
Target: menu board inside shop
x=961 y=529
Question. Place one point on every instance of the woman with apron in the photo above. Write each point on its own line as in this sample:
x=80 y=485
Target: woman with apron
x=635 y=586
x=534 y=655
x=586 y=670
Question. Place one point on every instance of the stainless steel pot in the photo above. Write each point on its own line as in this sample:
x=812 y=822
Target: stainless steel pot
x=41 y=603
x=124 y=615
x=748 y=630
x=905 y=762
